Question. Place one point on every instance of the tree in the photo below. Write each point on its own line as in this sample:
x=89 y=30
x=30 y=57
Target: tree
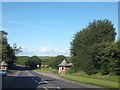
x=22 y=60
x=110 y=59
x=16 y=49
x=88 y=43
x=8 y=54
x=54 y=62
x=33 y=61
x=117 y=58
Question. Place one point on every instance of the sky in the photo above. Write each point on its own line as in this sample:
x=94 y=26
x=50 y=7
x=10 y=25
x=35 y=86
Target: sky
x=47 y=28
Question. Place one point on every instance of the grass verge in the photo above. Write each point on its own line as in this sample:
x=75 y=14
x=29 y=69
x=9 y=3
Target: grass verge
x=112 y=78
x=87 y=80
x=46 y=70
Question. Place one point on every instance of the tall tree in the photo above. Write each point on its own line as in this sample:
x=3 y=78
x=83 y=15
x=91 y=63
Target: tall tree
x=87 y=45
x=8 y=54
x=110 y=59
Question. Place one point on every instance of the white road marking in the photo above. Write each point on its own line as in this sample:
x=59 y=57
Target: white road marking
x=46 y=82
x=30 y=74
x=58 y=88
x=36 y=81
x=41 y=82
x=45 y=88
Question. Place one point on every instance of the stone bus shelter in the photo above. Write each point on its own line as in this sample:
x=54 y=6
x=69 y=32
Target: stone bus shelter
x=63 y=67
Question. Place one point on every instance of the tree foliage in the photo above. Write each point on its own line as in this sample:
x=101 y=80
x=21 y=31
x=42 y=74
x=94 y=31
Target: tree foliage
x=54 y=62
x=110 y=62
x=22 y=60
x=16 y=49
x=33 y=61
x=7 y=52
x=92 y=47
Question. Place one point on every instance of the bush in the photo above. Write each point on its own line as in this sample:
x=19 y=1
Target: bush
x=117 y=71
x=90 y=71
x=104 y=71
x=71 y=70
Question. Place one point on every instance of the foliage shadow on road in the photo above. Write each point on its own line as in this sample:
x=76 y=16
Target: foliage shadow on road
x=15 y=67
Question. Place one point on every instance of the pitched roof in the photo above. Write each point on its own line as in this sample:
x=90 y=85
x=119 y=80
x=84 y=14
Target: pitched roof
x=3 y=63
x=64 y=63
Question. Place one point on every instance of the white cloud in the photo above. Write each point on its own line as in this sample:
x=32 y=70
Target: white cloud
x=54 y=51
x=46 y=51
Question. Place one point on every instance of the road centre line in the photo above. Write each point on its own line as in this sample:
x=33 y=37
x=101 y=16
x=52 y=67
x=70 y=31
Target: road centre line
x=58 y=88
x=36 y=81
x=42 y=81
x=28 y=73
x=45 y=88
x=46 y=82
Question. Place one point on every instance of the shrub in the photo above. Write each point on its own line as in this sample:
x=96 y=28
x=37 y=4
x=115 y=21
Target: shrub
x=71 y=70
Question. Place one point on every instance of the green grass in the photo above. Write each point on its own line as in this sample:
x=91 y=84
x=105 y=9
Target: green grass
x=46 y=70
x=112 y=78
x=88 y=80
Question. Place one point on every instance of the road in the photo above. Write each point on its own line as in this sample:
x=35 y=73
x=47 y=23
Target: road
x=29 y=80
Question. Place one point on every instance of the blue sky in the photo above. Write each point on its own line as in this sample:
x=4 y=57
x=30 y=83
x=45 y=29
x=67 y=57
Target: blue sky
x=46 y=29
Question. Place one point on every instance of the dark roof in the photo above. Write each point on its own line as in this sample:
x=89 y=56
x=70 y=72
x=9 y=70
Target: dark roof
x=64 y=63
x=3 y=63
